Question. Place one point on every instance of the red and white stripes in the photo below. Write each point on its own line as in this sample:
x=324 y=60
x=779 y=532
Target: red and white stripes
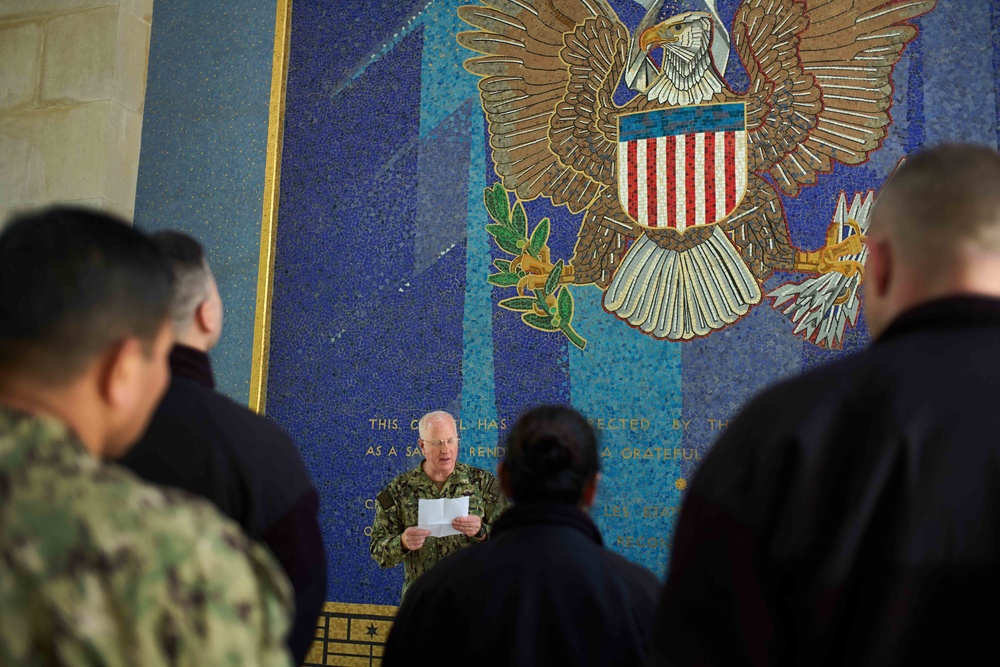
x=683 y=180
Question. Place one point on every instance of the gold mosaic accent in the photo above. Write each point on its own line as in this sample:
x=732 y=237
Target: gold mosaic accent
x=352 y=635
x=269 y=220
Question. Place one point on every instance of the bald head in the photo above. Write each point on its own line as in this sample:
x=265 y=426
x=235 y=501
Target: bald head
x=934 y=231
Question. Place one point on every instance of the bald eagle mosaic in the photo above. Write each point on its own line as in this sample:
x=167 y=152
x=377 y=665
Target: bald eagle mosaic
x=680 y=182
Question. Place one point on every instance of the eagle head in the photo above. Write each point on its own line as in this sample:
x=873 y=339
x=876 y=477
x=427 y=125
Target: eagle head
x=690 y=31
x=687 y=75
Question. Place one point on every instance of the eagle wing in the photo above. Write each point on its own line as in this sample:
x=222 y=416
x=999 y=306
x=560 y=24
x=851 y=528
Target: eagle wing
x=820 y=81
x=548 y=77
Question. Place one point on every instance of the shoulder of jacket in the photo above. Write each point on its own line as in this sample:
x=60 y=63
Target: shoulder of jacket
x=486 y=481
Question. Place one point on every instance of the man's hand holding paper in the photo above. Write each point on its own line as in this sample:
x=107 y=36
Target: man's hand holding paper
x=467 y=525
x=447 y=516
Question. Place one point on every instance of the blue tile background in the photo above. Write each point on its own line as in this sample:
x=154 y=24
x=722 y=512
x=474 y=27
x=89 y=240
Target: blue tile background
x=381 y=309
x=204 y=141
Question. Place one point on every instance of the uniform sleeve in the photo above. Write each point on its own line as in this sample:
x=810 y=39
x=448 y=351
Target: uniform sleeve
x=226 y=602
x=495 y=502
x=189 y=589
x=386 y=543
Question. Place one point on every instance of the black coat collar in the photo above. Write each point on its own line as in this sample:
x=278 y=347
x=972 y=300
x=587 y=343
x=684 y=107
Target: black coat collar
x=187 y=362
x=948 y=313
x=551 y=514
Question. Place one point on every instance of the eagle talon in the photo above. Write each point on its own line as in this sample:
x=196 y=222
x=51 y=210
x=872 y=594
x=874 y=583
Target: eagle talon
x=537 y=273
x=828 y=258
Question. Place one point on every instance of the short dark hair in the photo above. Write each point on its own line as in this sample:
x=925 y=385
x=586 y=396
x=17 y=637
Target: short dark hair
x=551 y=454
x=73 y=282
x=946 y=195
x=191 y=273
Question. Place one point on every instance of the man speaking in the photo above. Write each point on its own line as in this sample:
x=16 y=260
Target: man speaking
x=395 y=535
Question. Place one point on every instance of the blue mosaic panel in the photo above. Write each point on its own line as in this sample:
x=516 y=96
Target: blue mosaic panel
x=204 y=143
x=686 y=120
x=383 y=309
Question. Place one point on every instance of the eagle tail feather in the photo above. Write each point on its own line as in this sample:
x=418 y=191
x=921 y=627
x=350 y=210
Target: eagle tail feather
x=682 y=294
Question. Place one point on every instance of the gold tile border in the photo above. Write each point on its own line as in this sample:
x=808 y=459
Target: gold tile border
x=269 y=219
x=350 y=634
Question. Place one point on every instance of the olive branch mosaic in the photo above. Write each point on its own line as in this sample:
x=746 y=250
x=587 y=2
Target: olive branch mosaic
x=543 y=296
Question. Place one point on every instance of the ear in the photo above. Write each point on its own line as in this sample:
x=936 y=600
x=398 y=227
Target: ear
x=879 y=267
x=207 y=317
x=117 y=370
x=589 y=493
x=504 y=479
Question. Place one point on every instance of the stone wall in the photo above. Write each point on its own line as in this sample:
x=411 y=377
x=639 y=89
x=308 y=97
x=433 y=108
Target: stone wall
x=72 y=85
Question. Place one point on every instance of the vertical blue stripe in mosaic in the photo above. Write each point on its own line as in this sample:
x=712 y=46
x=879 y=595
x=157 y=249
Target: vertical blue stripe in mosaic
x=915 y=134
x=348 y=316
x=630 y=386
x=720 y=373
x=530 y=366
x=478 y=391
x=204 y=143
x=958 y=80
x=445 y=84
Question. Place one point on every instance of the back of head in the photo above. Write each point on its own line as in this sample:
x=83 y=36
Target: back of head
x=73 y=282
x=191 y=275
x=551 y=455
x=943 y=202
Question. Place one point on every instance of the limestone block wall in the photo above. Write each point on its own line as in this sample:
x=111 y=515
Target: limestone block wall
x=72 y=85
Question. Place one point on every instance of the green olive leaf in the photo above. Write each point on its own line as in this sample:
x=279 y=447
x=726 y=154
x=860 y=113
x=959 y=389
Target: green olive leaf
x=504 y=237
x=539 y=322
x=573 y=336
x=502 y=264
x=565 y=305
x=518 y=303
x=503 y=279
x=501 y=204
x=519 y=221
x=553 y=280
x=539 y=237
x=495 y=212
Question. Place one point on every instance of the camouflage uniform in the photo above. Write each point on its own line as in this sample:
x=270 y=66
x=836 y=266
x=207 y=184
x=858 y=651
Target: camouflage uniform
x=396 y=510
x=99 y=568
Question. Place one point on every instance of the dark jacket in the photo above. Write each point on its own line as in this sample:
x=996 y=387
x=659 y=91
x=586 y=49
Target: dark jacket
x=851 y=516
x=205 y=443
x=541 y=591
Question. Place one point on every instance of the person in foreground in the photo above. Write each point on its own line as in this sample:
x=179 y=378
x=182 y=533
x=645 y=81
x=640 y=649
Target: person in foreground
x=851 y=516
x=395 y=536
x=205 y=443
x=543 y=590
x=97 y=567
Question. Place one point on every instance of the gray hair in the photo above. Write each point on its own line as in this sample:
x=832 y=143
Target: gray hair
x=436 y=415
x=191 y=276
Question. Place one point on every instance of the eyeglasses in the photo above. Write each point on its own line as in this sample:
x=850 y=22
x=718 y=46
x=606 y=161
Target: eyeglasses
x=438 y=444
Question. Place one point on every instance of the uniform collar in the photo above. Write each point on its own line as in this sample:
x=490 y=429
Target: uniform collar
x=457 y=475
x=39 y=433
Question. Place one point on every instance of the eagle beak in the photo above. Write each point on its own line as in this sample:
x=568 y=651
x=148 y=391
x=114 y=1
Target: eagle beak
x=656 y=36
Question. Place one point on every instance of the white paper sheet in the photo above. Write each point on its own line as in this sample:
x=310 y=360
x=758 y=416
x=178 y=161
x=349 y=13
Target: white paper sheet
x=436 y=514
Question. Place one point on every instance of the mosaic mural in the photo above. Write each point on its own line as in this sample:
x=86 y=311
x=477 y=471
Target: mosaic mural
x=648 y=210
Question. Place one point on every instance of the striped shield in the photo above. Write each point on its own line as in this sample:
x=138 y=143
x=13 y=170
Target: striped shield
x=682 y=167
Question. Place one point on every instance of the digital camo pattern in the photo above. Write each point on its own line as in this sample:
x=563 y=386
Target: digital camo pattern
x=99 y=568
x=397 y=508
